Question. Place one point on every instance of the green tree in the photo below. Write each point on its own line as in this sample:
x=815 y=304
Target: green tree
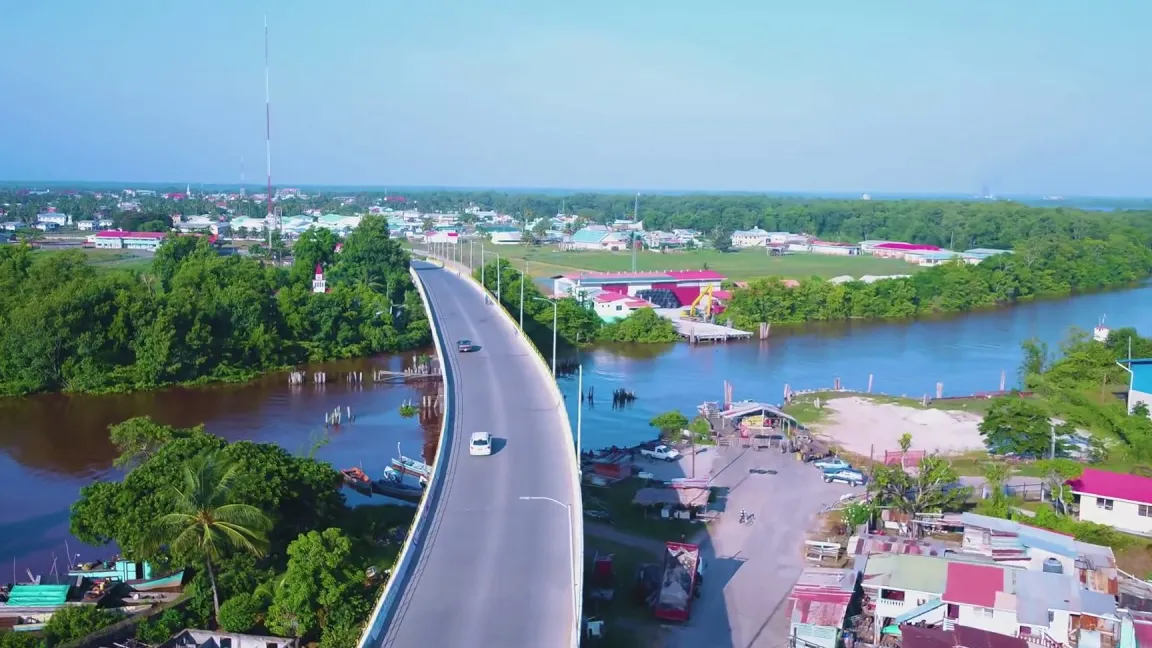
x=13 y=639
x=669 y=423
x=139 y=438
x=1015 y=425
x=997 y=503
x=905 y=442
x=642 y=325
x=241 y=612
x=206 y=520
x=722 y=241
x=320 y=577
x=932 y=489
x=73 y=622
x=315 y=247
x=701 y=430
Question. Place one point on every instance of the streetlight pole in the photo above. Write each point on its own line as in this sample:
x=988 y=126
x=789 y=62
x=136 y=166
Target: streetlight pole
x=555 y=310
x=499 y=297
x=482 y=267
x=523 y=278
x=579 y=412
x=470 y=246
x=571 y=548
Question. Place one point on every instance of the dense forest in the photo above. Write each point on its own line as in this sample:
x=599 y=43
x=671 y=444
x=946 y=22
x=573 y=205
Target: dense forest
x=197 y=316
x=1040 y=267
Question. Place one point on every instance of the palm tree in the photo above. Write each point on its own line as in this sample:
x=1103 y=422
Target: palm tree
x=205 y=519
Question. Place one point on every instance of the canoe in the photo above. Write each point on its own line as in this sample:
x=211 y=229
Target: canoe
x=355 y=479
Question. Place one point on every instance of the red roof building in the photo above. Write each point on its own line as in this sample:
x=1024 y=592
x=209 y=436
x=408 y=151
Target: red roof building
x=1117 y=500
x=973 y=584
x=818 y=604
x=901 y=250
x=917 y=637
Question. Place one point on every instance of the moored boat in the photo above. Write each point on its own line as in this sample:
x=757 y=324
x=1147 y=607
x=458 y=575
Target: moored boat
x=392 y=485
x=357 y=480
x=410 y=466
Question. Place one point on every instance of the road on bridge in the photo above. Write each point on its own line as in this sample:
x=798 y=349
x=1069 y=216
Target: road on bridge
x=495 y=569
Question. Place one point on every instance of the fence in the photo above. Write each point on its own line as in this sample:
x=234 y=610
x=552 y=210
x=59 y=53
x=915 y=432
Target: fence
x=577 y=511
x=378 y=622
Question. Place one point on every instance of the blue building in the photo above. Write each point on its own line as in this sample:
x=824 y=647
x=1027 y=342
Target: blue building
x=1140 y=382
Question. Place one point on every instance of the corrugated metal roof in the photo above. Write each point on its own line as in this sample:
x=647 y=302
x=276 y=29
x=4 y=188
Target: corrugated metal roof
x=907 y=572
x=37 y=595
x=974 y=584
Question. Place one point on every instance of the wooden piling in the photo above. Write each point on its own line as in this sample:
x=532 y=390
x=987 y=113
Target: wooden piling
x=869 y=383
x=1003 y=379
x=939 y=390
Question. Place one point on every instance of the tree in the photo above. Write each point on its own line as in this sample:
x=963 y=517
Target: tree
x=905 y=442
x=701 y=430
x=13 y=639
x=669 y=423
x=241 y=612
x=933 y=488
x=315 y=247
x=722 y=241
x=1037 y=359
x=73 y=622
x=643 y=325
x=996 y=504
x=1015 y=425
x=320 y=577
x=207 y=521
x=1056 y=474
x=139 y=438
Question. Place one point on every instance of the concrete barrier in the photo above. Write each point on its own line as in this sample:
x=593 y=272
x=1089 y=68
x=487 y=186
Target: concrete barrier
x=544 y=366
x=378 y=622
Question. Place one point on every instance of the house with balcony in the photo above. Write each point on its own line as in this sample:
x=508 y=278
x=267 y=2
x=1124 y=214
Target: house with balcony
x=1121 y=501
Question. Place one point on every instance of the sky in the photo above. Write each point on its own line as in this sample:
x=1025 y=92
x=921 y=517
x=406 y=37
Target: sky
x=1039 y=97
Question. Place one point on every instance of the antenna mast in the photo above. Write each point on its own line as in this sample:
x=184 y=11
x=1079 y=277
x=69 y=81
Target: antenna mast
x=632 y=239
x=267 y=122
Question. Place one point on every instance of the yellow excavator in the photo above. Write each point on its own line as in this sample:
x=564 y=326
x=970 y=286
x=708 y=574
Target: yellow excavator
x=701 y=308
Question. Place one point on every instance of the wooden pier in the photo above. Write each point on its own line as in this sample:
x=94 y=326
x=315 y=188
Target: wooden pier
x=696 y=332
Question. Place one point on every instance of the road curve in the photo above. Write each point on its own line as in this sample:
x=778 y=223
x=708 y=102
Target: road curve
x=494 y=570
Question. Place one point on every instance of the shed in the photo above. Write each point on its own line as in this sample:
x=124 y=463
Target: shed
x=38 y=595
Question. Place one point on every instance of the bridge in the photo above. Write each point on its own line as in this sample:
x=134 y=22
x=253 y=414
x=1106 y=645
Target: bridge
x=495 y=555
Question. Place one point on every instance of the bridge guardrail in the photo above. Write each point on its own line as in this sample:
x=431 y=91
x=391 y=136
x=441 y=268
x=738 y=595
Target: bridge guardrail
x=378 y=622
x=545 y=367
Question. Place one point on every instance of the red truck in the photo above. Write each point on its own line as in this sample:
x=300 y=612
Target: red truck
x=678 y=582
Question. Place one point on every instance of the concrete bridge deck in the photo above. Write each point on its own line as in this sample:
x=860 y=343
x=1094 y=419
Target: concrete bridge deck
x=492 y=568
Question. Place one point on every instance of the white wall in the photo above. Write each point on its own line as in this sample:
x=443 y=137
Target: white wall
x=912 y=600
x=1135 y=396
x=1124 y=515
x=823 y=636
x=998 y=621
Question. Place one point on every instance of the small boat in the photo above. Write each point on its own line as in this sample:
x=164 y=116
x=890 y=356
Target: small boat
x=355 y=479
x=392 y=485
x=1101 y=332
x=171 y=581
x=409 y=466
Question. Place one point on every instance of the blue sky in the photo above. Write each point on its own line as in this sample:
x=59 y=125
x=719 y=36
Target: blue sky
x=1026 y=96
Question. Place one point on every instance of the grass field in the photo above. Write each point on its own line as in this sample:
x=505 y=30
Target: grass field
x=109 y=259
x=740 y=266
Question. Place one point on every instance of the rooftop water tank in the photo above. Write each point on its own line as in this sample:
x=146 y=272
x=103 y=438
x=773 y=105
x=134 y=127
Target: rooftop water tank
x=1053 y=566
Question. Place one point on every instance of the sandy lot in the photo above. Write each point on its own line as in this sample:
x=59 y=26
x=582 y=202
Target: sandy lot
x=857 y=424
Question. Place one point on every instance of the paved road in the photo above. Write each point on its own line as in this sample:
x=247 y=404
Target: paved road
x=495 y=570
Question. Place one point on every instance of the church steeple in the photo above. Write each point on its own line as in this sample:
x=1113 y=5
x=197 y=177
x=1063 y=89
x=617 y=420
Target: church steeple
x=319 y=285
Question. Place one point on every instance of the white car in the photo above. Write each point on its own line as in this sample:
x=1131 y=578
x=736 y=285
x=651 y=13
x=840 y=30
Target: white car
x=480 y=445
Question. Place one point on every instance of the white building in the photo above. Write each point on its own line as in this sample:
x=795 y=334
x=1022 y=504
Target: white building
x=319 y=285
x=611 y=306
x=85 y=225
x=442 y=237
x=514 y=237
x=121 y=240
x=1120 y=501
x=249 y=225
x=1139 y=383
x=53 y=218
x=754 y=237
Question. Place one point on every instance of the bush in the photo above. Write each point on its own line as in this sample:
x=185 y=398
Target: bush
x=12 y=639
x=75 y=622
x=241 y=613
x=160 y=628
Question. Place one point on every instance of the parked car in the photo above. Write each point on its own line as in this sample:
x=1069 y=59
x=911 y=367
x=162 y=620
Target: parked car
x=847 y=476
x=664 y=452
x=465 y=346
x=832 y=463
x=480 y=445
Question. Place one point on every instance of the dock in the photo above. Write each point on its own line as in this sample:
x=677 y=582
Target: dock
x=696 y=332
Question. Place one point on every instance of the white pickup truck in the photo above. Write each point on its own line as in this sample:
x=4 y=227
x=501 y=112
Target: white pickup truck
x=661 y=452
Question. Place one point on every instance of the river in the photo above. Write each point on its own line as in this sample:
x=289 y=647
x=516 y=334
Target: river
x=965 y=352
x=52 y=445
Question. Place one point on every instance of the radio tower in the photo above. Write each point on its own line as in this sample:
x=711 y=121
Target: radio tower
x=270 y=218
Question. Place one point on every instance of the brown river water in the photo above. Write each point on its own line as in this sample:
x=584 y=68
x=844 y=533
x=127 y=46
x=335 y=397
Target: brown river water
x=52 y=445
